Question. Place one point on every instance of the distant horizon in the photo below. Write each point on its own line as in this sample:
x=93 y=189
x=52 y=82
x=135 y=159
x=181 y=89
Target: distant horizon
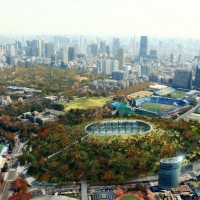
x=121 y=18
x=102 y=36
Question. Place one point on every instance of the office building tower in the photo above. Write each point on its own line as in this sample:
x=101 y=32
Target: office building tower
x=71 y=54
x=10 y=60
x=114 y=64
x=12 y=49
x=63 y=56
x=99 y=66
x=179 y=58
x=107 y=50
x=94 y=49
x=36 y=48
x=143 y=46
x=54 y=60
x=172 y=58
x=182 y=79
x=49 y=50
x=153 y=54
x=197 y=78
x=169 y=172
x=102 y=46
x=145 y=70
x=106 y=67
x=121 y=58
x=18 y=45
x=116 y=46
x=119 y=75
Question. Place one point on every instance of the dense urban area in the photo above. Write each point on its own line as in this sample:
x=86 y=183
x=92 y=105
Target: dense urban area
x=99 y=118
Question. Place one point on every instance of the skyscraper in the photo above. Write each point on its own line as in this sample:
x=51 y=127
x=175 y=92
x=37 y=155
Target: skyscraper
x=116 y=46
x=107 y=50
x=63 y=56
x=169 y=172
x=49 y=50
x=145 y=70
x=143 y=46
x=182 y=79
x=153 y=54
x=94 y=49
x=103 y=46
x=171 y=57
x=197 y=78
x=121 y=58
x=71 y=54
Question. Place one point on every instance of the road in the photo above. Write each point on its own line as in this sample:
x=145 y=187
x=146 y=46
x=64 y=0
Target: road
x=184 y=116
x=12 y=173
x=10 y=176
x=83 y=190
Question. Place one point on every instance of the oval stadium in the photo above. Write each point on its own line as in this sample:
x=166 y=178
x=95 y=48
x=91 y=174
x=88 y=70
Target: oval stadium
x=116 y=127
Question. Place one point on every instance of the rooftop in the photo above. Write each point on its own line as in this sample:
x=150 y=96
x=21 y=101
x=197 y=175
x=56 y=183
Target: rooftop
x=172 y=160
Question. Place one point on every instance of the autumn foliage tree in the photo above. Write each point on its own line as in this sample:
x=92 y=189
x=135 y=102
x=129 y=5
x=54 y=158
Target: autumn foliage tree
x=20 y=196
x=20 y=185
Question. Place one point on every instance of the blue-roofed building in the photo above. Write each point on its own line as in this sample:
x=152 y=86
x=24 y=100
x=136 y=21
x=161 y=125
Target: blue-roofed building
x=115 y=104
x=104 y=195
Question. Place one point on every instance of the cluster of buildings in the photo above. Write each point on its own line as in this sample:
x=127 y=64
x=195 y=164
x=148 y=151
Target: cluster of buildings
x=111 y=85
x=168 y=62
x=48 y=115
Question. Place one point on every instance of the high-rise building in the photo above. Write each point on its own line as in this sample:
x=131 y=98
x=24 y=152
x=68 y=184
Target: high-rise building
x=63 y=56
x=169 y=172
x=197 y=78
x=107 y=50
x=49 y=50
x=71 y=54
x=116 y=46
x=114 y=64
x=106 y=67
x=119 y=75
x=10 y=60
x=171 y=57
x=153 y=54
x=143 y=46
x=182 y=79
x=102 y=46
x=145 y=70
x=94 y=49
x=121 y=58
x=36 y=48
x=12 y=49
x=179 y=58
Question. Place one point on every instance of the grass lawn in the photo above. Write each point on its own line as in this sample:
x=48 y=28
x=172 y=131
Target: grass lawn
x=156 y=107
x=1 y=147
x=129 y=197
x=87 y=103
x=178 y=94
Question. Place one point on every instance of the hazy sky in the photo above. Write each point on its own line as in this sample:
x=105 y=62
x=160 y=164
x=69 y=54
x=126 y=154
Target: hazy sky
x=178 y=18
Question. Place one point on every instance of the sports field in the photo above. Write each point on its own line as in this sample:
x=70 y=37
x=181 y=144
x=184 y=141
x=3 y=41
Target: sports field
x=156 y=107
x=129 y=197
x=87 y=103
x=177 y=94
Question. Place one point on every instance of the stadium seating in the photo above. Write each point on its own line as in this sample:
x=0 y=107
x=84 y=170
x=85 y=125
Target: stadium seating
x=161 y=100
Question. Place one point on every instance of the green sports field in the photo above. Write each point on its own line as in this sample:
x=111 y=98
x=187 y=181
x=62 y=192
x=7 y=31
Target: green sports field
x=158 y=108
x=129 y=197
x=177 y=94
x=87 y=103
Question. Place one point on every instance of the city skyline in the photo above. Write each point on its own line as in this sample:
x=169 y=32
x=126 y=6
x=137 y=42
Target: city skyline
x=89 y=17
